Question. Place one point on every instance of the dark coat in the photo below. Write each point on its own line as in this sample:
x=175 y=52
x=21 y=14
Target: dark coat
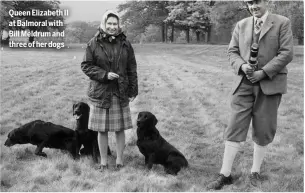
x=98 y=62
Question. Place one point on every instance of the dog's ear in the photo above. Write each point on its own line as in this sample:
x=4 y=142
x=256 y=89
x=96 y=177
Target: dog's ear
x=155 y=120
x=73 y=108
x=11 y=134
x=87 y=108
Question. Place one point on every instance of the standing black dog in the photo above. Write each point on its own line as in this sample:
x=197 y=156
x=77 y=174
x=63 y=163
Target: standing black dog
x=86 y=137
x=44 y=134
x=155 y=148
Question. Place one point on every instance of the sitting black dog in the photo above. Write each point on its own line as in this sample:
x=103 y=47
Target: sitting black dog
x=155 y=148
x=86 y=137
x=44 y=134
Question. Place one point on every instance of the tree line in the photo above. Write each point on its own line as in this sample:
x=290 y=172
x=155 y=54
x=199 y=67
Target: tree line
x=161 y=21
x=199 y=17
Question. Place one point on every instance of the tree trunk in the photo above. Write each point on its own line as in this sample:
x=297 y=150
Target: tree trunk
x=209 y=33
x=188 y=35
x=202 y=37
x=198 y=36
x=166 y=29
x=173 y=30
x=301 y=40
x=163 y=32
x=206 y=37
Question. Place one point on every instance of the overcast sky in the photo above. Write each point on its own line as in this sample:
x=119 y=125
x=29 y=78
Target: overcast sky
x=88 y=10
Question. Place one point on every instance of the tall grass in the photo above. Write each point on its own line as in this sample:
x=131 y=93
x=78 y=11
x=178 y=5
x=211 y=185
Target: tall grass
x=188 y=88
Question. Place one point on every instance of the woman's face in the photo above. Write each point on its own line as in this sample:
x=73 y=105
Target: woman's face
x=112 y=25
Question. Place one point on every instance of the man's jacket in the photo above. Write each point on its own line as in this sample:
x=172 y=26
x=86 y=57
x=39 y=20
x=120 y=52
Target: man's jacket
x=275 y=51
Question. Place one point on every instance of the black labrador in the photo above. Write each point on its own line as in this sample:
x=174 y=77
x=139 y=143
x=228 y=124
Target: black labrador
x=86 y=137
x=44 y=134
x=155 y=148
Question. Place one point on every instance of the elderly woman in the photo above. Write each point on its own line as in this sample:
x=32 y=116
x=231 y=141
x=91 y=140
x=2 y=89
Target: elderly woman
x=110 y=64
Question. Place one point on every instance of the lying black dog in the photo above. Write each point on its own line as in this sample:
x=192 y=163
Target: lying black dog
x=86 y=137
x=44 y=134
x=155 y=148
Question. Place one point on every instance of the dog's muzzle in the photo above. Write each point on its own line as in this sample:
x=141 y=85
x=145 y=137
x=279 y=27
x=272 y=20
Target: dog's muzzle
x=77 y=116
x=138 y=123
x=8 y=143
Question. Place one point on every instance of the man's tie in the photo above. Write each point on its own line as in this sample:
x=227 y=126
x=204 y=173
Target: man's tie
x=258 y=26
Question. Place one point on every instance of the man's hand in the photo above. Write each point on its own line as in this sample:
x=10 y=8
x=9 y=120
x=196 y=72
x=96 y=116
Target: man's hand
x=131 y=99
x=112 y=76
x=256 y=76
x=247 y=69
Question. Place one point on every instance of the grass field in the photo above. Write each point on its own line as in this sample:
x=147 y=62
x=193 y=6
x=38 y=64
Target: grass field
x=187 y=87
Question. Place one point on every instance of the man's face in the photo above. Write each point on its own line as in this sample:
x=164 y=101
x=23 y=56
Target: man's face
x=112 y=25
x=257 y=7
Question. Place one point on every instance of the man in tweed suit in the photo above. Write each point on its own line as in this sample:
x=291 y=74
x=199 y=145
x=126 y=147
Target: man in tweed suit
x=257 y=92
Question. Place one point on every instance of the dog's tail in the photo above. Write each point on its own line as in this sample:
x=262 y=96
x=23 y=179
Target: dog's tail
x=186 y=163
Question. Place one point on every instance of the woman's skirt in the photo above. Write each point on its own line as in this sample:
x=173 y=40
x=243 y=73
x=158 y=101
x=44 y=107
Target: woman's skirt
x=116 y=118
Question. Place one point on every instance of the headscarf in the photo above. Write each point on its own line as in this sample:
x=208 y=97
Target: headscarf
x=102 y=27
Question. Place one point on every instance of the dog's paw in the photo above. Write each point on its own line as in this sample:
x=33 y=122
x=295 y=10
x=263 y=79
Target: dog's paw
x=42 y=154
x=109 y=151
x=146 y=169
x=76 y=157
x=171 y=171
